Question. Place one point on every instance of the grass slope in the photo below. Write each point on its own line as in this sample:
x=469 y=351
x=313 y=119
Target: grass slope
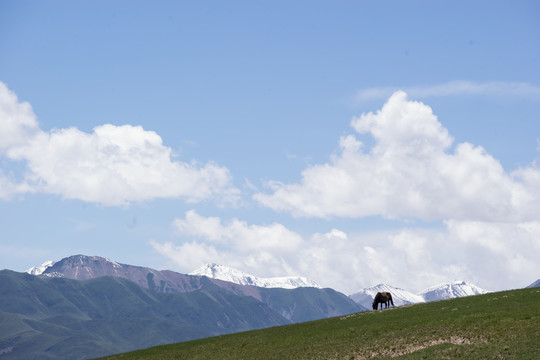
x=503 y=325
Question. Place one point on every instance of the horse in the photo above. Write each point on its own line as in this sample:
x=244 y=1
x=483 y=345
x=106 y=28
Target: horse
x=382 y=298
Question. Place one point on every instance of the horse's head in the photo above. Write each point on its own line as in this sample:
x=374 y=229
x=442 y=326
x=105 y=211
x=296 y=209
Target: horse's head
x=375 y=305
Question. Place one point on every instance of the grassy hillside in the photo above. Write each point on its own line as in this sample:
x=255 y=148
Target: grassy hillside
x=503 y=325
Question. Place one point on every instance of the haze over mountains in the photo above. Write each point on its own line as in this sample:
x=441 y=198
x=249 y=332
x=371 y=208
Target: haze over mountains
x=89 y=306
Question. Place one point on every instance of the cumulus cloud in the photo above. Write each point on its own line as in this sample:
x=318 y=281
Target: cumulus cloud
x=518 y=90
x=17 y=120
x=492 y=255
x=411 y=171
x=234 y=243
x=113 y=165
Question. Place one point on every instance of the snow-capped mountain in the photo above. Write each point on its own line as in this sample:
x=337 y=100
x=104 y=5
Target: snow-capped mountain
x=400 y=297
x=82 y=267
x=451 y=290
x=39 y=269
x=226 y=273
x=535 y=284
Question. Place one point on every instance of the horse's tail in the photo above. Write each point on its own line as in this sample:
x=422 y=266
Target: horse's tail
x=392 y=301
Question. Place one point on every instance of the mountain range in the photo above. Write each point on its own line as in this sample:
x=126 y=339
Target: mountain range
x=57 y=318
x=81 y=267
x=89 y=306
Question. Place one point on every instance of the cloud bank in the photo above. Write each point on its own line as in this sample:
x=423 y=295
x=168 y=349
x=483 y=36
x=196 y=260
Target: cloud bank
x=492 y=255
x=411 y=172
x=112 y=166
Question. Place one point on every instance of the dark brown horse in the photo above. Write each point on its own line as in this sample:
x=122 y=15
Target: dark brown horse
x=382 y=298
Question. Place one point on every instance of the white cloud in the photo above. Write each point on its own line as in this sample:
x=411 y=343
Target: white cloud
x=17 y=120
x=502 y=254
x=459 y=87
x=234 y=243
x=492 y=255
x=237 y=233
x=409 y=172
x=113 y=165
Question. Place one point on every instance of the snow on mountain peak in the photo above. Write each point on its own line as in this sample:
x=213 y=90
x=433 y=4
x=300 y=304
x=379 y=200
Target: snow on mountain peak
x=39 y=269
x=454 y=289
x=222 y=272
x=400 y=297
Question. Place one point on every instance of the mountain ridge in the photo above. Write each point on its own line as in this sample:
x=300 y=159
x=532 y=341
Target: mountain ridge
x=76 y=267
x=82 y=267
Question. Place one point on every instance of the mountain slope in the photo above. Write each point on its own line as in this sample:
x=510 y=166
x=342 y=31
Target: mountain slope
x=400 y=297
x=535 y=284
x=39 y=269
x=226 y=273
x=299 y=304
x=306 y=304
x=58 y=318
x=451 y=290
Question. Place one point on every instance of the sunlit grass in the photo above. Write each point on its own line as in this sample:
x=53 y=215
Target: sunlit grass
x=503 y=325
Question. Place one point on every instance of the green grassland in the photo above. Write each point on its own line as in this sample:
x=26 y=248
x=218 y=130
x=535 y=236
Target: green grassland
x=502 y=325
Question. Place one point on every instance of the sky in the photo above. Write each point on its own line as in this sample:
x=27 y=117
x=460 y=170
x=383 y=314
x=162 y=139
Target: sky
x=350 y=142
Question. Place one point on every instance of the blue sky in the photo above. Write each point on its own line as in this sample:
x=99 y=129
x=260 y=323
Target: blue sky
x=352 y=142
